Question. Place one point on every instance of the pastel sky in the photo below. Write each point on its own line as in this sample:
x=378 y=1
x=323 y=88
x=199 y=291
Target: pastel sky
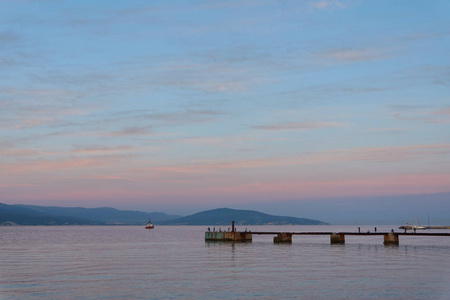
x=156 y=105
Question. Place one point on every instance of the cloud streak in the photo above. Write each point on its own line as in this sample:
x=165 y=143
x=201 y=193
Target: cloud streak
x=426 y=114
x=350 y=55
x=328 y=5
x=298 y=126
x=387 y=155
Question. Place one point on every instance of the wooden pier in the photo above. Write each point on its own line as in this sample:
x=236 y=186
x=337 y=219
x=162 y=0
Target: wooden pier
x=390 y=238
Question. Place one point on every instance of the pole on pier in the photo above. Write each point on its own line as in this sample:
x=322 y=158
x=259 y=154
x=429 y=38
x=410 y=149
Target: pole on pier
x=232 y=226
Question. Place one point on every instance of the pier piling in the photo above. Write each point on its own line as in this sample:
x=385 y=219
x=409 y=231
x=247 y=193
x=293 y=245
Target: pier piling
x=337 y=238
x=391 y=239
x=283 y=237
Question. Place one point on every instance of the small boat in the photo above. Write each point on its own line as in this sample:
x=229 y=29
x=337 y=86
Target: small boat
x=418 y=227
x=417 y=224
x=149 y=225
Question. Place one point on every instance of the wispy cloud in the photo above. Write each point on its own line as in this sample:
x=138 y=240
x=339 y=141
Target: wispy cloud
x=408 y=107
x=161 y=119
x=102 y=149
x=425 y=36
x=353 y=186
x=442 y=111
x=422 y=113
x=129 y=131
x=298 y=126
x=208 y=76
x=397 y=154
x=350 y=55
x=221 y=140
x=8 y=38
x=18 y=185
x=388 y=154
x=28 y=108
x=387 y=130
x=47 y=166
x=110 y=178
x=11 y=151
x=333 y=4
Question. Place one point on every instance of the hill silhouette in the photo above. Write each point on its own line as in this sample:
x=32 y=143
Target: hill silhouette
x=224 y=216
x=53 y=215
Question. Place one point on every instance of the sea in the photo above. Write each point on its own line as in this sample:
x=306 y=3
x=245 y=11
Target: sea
x=175 y=262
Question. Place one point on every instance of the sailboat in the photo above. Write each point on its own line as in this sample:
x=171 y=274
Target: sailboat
x=149 y=225
x=417 y=224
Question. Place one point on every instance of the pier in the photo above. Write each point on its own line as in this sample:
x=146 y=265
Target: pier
x=390 y=238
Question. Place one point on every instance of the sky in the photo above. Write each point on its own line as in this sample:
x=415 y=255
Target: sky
x=180 y=106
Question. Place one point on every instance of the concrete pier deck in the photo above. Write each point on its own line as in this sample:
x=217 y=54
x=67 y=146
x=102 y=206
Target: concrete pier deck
x=228 y=236
x=349 y=233
x=390 y=238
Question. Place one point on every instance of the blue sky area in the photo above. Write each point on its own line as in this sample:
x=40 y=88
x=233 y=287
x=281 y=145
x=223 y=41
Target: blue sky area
x=180 y=106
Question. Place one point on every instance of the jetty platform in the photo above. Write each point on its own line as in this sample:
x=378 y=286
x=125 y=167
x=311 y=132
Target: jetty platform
x=390 y=238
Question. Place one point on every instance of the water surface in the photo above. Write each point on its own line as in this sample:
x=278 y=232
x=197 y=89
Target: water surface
x=174 y=262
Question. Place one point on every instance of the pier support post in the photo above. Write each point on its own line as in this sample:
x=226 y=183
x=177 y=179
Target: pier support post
x=337 y=238
x=391 y=239
x=283 y=237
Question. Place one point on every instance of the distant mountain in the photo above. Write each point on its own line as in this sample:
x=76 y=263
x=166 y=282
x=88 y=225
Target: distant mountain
x=16 y=215
x=224 y=216
x=105 y=214
x=52 y=215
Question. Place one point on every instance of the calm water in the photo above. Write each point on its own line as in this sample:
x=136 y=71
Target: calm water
x=168 y=262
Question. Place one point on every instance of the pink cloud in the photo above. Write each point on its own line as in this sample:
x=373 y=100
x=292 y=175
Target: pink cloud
x=345 y=155
x=14 y=152
x=442 y=111
x=101 y=149
x=233 y=191
x=352 y=55
x=363 y=187
x=329 y=4
x=46 y=166
x=400 y=153
x=425 y=114
x=108 y=177
x=17 y=185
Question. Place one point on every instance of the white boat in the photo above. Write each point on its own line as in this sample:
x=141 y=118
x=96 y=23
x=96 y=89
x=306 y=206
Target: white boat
x=417 y=225
x=149 y=225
